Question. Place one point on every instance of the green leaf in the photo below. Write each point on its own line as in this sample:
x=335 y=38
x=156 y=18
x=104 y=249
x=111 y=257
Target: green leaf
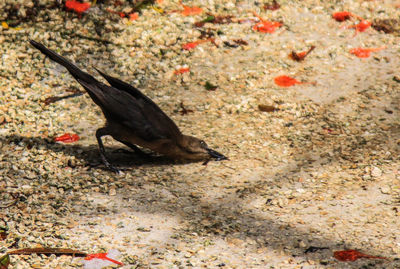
x=210 y=87
x=210 y=18
x=4 y=261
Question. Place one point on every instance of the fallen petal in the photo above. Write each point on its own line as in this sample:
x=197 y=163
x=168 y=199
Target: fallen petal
x=182 y=70
x=189 y=11
x=77 y=6
x=352 y=255
x=286 y=81
x=67 y=138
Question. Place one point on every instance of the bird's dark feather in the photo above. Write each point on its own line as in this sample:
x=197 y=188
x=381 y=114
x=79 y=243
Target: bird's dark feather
x=152 y=110
x=120 y=107
x=121 y=102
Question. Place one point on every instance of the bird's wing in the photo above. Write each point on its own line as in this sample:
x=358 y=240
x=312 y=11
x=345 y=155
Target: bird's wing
x=121 y=102
x=120 y=106
x=75 y=71
x=153 y=111
x=123 y=86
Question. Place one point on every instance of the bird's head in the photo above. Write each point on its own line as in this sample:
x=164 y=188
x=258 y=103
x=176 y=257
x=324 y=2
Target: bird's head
x=198 y=149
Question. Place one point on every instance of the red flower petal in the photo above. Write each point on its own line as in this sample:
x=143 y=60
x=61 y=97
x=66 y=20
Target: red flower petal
x=102 y=256
x=361 y=26
x=182 y=70
x=351 y=255
x=192 y=45
x=67 y=138
x=342 y=16
x=266 y=26
x=77 y=6
x=286 y=81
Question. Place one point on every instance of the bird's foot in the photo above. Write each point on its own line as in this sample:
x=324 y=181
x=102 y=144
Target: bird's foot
x=112 y=168
x=109 y=166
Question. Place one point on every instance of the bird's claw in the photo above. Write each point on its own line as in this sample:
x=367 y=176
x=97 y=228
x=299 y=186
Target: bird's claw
x=113 y=169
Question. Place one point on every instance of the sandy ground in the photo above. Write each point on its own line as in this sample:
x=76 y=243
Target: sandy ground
x=322 y=171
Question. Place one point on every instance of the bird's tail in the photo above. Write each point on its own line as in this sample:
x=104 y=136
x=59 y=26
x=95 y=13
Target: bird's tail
x=72 y=68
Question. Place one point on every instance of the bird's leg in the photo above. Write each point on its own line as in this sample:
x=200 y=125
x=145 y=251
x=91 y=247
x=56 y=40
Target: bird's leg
x=137 y=150
x=99 y=133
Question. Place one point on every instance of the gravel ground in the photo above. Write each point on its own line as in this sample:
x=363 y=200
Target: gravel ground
x=321 y=170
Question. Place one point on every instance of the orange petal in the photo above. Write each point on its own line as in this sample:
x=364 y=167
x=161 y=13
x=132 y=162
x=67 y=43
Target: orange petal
x=363 y=52
x=189 y=11
x=286 y=81
x=192 y=45
x=189 y=46
x=4 y=25
x=133 y=16
x=266 y=26
x=182 y=70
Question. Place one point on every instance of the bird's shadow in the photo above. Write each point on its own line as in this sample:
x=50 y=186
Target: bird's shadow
x=120 y=156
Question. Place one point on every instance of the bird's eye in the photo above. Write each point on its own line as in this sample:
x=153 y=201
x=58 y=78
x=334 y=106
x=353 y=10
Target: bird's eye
x=203 y=144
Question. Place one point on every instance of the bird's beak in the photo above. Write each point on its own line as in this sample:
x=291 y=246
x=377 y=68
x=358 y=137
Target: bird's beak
x=218 y=156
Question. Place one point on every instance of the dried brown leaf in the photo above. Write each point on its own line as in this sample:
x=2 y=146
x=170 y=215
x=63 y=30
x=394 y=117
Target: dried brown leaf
x=267 y=108
x=184 y=110
x=48 y=251
x=388 y=26
x=240 y=42
x=272 y=6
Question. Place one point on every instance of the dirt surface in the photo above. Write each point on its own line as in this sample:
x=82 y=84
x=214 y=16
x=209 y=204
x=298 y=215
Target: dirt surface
x=318 y=174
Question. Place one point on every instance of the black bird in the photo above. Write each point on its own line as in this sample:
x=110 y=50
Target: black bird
x=133 y=118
